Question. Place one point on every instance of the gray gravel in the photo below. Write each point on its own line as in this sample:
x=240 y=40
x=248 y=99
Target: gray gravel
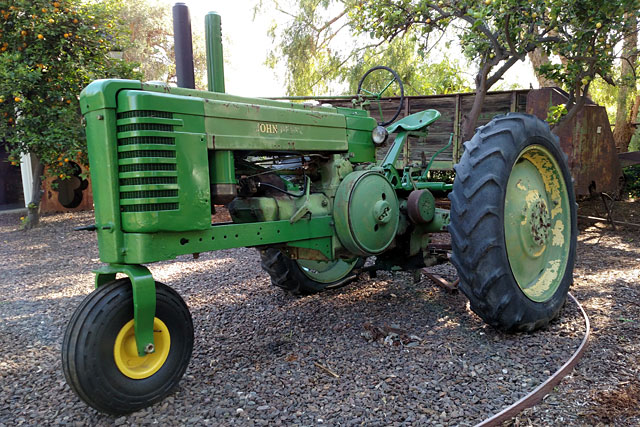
x=259 y=354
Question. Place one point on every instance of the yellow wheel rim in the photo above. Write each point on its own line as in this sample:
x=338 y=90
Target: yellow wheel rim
x=125 y=352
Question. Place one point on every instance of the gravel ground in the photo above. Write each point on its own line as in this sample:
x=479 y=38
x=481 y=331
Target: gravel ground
x=262 y=357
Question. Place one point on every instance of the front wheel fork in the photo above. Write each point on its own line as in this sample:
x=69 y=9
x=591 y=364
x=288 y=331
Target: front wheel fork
x=144 y=300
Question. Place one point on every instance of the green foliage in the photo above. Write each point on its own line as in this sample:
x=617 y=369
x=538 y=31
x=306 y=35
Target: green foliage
x=556 y=113
x=322 y=54
x=419 y=75
x=304 y=47
x=605 y=94
x=585 y=34
x=496 y=33
x=489 y=31
x=49 y=52
x=150 y=30
x=632 y=180
x=446 y=176
x=151 y=35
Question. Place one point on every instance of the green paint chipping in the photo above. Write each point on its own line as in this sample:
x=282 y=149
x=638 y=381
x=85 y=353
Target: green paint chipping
x=537 y=223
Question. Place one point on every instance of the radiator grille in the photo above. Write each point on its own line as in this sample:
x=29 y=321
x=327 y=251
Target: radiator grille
x=145 y=126
x=147 y=167
x=147 y=153
x=148 y=194
x=136 y=140
x=160 y=193
x=145 y=113
x=151 y=207
x=153 y=180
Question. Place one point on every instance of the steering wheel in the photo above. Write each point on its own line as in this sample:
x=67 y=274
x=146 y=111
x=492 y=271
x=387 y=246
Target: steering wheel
x=378 y=83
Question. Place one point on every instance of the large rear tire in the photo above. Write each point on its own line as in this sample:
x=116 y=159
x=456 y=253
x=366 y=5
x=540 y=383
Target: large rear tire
x=513 y=223
x=302 y=277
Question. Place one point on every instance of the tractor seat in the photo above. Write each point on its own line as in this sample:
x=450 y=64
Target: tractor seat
x=415 y=121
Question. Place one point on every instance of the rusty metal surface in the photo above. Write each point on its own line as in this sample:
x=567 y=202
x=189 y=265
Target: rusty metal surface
x=51 y=199
x=629 y=159
x=546 y=387
x=588 y=142
x=450 y=287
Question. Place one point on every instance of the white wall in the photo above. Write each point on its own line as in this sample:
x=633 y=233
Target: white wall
x=26 y=167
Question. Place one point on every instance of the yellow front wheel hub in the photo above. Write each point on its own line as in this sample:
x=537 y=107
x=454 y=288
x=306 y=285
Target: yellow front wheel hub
x=125 y=352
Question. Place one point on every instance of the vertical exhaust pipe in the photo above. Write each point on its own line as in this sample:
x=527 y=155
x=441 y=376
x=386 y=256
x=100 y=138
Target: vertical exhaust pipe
x=183 y=46
x=221 y=163
x=215 y=62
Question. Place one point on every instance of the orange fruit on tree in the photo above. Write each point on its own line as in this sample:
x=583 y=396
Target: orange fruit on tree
x=17 y=99
x=40 y=36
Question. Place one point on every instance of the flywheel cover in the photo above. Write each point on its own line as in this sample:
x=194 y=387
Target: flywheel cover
x=366 y=213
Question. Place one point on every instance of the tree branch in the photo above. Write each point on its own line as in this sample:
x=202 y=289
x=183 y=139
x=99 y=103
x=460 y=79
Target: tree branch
x=507 y=34
x=483 y=29
x=331 y=21
x=500 y=72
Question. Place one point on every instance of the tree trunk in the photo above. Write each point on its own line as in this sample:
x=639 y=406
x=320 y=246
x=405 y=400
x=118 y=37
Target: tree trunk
x=539 y=57
x=623 y=130
x=33 y=208
x=470 y=120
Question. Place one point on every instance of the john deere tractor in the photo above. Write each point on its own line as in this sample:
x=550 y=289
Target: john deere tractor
x=303 y=186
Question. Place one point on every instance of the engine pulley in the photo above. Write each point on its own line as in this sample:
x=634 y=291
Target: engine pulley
x=366 y=213
x=421 y=206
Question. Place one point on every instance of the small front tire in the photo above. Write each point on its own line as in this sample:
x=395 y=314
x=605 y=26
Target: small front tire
x=99 y=355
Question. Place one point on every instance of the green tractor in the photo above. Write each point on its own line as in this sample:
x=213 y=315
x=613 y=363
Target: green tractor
x=303 y=185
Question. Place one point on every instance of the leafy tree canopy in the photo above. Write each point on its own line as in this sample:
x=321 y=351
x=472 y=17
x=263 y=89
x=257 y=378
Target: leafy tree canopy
x=323 y=54
x=495 y=34
x=149 y=26
x=50 y=50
